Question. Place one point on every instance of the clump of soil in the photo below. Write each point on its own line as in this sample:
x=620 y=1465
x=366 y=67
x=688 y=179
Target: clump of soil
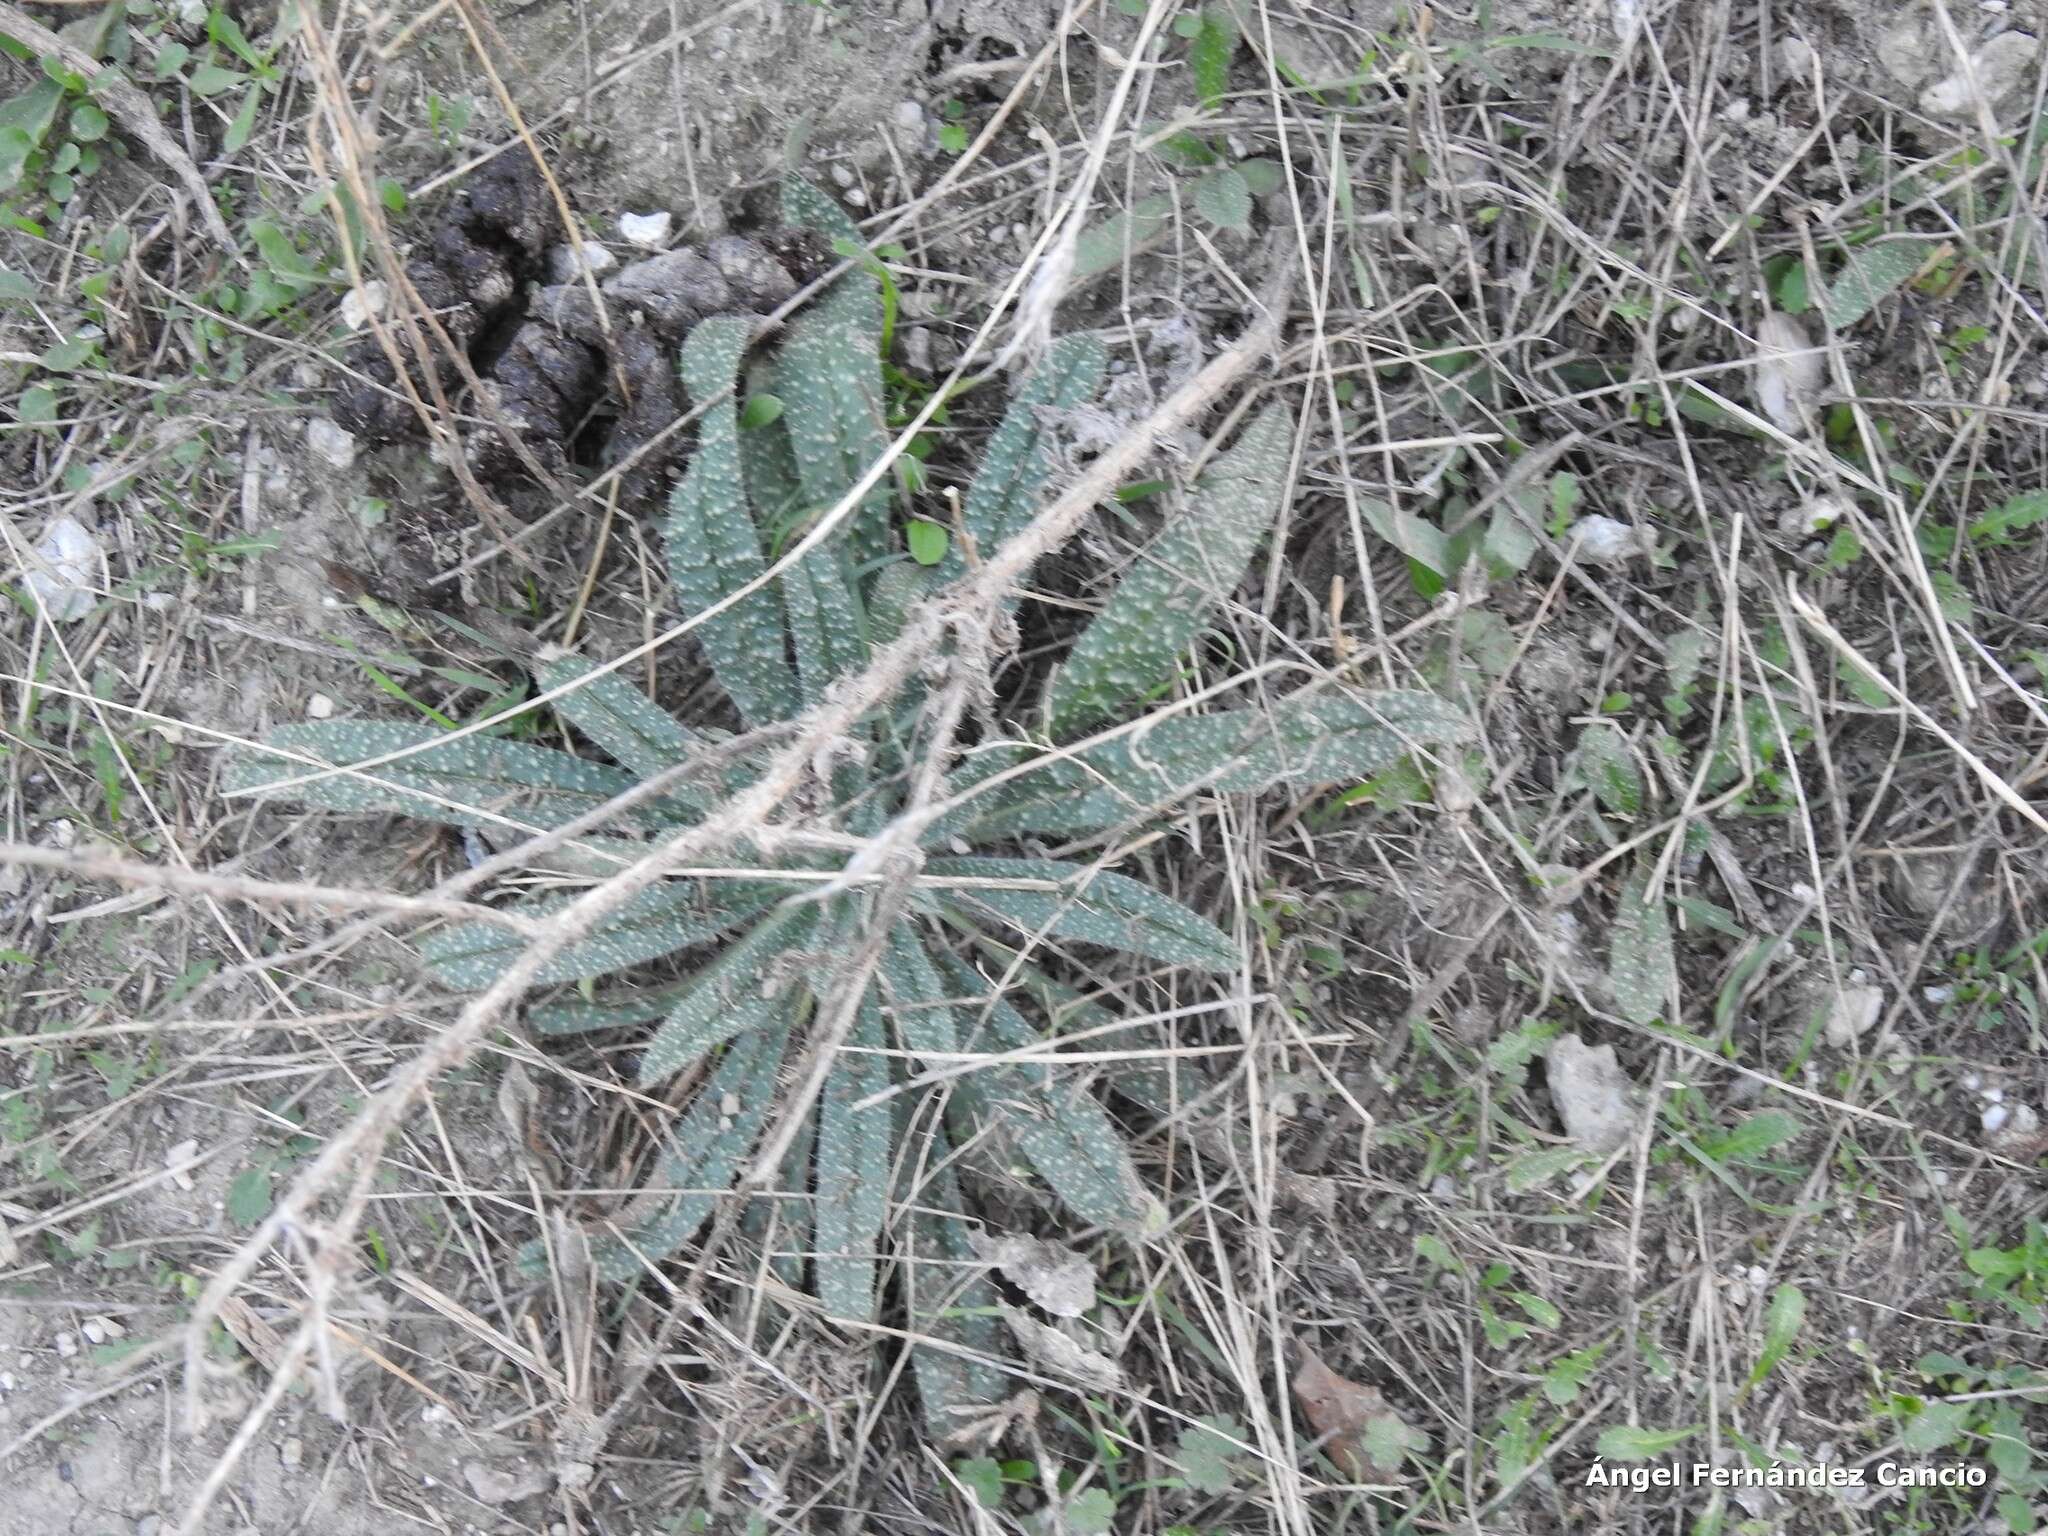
x=568 y=379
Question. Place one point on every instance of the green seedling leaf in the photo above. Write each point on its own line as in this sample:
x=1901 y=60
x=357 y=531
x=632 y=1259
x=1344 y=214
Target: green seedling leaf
x=1868 y=278
x=2027 y=510
x=927 y=541
x=1567 y=1377
x=1094 y=907
x=1224 y=198
x=760 y=411
x=1934 y=1427
x=88 y=123
x=983 y=1478
x=714 y=547
x=1535 y=1169
x=855 y=1146
x=1641 y=965
x=1262 y=177
x=249 y=1197
x=1103 y=247
x=1609 y=770
x=1209 y=53
x=1782 y=1321
x=1091 y=1512
x=1423 y=542
x=1193 y=565
x=1207 y=1451
x=1756 y=1135
x=1627 y=1442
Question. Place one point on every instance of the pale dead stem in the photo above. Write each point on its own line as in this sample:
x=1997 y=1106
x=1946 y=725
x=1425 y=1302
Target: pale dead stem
x=346 y=1165
x=292 y=893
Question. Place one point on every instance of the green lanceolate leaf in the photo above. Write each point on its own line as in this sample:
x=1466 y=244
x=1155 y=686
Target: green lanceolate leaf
x=657 y=922
x=1640 y=963
x=478 y=781
x=1018 y=458
x=727 y=997
x=705 y=1148
x=948 y=1298
x=790 y=1239
x=854 y=1150
x=857 y=295
x=830 y=382
x=917 y=998
x=824 y=621
x=1868 y=278
x=1058 y=1126
x=1302 y=739
x=619 y=718
x=1194 y=564
x=714 y=549
x=1093 y=906
x=614 y=1010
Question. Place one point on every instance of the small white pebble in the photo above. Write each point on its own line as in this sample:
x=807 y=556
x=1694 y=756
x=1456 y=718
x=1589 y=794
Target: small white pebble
x=182 y=1153
x=1995 y=1117
x=1994 y=1095
x=1603 y=541
x=649 y=231
x=319 y=707
x=563 y=267
x=94 y=1330
x=67 y=1344
x=332 y=443
x=359 y=305
x=1973 y=1082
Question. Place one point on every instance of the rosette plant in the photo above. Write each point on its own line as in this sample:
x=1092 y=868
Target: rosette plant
x=733 y=967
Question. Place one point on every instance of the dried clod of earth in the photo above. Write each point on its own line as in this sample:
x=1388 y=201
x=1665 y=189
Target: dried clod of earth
x=559 y=367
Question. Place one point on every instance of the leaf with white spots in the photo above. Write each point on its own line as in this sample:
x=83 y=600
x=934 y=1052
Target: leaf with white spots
x=1017 y=460
x=855 y=1143
x=613 y=1010
x=657 y=922
x=1640 y=964
x=477 y=781
x=1092 y=906
x=1303 y=739
x=1868 y=278
x=714 y=548
x=731 y=995
x=855 y=296
x=705 y=1148
x=644 y=738
x=1194 y=564
x=947 y=1297
x=830 y=382
x=1052 y=1119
